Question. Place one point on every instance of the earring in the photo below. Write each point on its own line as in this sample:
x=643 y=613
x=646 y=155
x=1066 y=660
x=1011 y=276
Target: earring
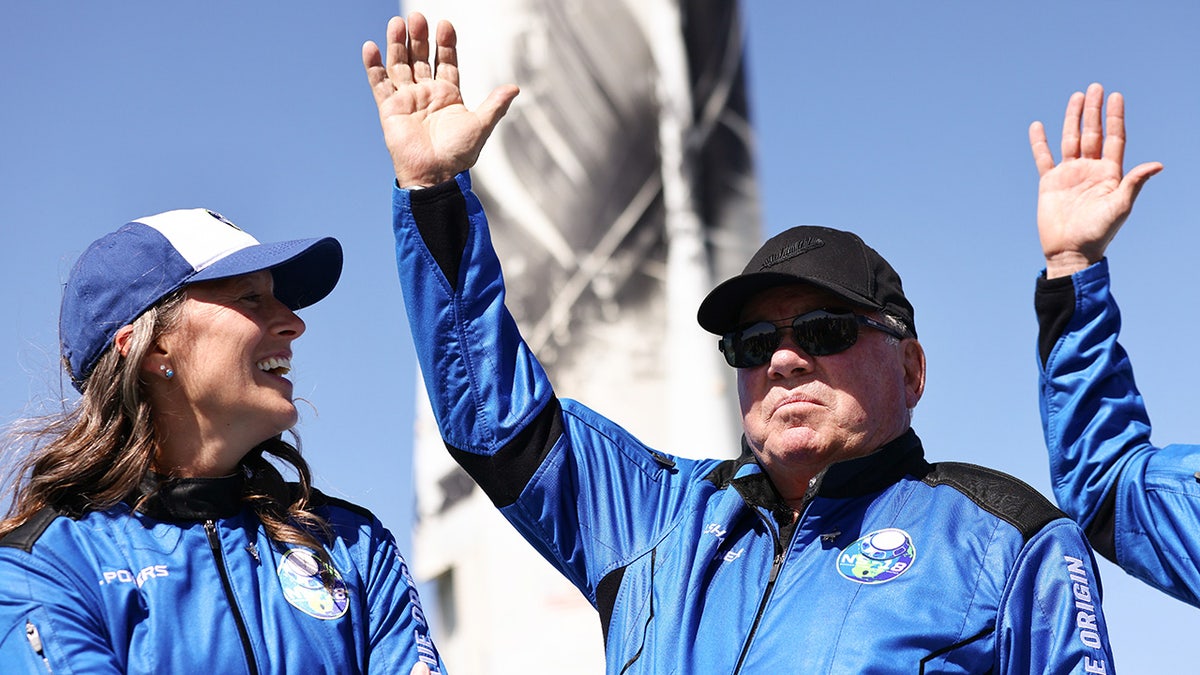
x=167 y=372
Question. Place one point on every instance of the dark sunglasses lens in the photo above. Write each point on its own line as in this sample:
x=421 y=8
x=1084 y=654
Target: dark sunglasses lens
x=751 y=346
x=825 y=335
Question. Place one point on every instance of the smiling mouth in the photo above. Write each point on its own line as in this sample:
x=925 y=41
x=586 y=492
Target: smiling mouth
x=276 y=365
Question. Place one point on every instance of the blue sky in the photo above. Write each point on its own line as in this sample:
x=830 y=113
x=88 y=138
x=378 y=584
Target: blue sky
x=904 y=122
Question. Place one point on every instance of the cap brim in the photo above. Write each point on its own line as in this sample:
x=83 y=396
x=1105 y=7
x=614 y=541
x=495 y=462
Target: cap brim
x=721 y=310
x=305 y=270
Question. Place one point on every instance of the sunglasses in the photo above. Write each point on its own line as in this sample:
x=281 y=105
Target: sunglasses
x=818 y=333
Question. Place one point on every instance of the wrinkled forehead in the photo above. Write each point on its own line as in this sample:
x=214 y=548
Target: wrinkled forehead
x=780 y=302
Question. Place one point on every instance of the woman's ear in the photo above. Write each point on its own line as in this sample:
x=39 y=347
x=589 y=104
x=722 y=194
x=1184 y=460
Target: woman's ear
x=155 y=358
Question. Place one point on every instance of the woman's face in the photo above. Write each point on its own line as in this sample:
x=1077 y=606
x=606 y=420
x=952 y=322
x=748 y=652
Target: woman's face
x=230 y=351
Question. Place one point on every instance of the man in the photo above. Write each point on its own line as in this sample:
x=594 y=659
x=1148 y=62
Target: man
x=1140 y=505
x=830 y=545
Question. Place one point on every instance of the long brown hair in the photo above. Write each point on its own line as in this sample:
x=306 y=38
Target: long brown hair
x=96 y=452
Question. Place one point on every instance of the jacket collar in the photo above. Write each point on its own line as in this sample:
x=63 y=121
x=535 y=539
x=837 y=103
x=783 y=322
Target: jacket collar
x=901 y=457
x=188 y=499
x=852 y=478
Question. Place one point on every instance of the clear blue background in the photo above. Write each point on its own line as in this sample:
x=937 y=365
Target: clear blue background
x=905 y=122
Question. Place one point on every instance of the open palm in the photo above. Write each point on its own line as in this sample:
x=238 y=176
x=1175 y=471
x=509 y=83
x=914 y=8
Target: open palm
x=1084 y=200
x=429 y=132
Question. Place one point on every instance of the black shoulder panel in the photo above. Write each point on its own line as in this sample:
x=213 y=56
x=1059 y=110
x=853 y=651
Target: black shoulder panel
x=441 y=216
x=318 y=499
x=504 y=475
x=722 y=474
x=999 y=494
x=27 y=534
x=606 y=598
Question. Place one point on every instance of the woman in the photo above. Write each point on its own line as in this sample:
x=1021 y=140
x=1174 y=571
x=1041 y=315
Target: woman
x=149 y=531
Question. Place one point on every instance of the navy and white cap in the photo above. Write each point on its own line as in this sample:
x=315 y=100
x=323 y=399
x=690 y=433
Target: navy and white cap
x=126 y=272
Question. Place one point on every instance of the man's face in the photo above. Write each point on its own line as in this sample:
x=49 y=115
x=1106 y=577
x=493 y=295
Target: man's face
x=802 y=413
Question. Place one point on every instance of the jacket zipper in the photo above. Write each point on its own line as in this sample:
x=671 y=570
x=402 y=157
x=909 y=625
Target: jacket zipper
x=776 y=566
x=762 y=605
x=210 y=529
x=35 y=641
x=633 y=659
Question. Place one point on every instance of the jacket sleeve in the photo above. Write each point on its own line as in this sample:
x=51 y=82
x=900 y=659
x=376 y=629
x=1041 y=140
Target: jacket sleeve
x=398 y=632
x=586 y=494
x=1140 y=505
x=1051 y=619
x=48 y=621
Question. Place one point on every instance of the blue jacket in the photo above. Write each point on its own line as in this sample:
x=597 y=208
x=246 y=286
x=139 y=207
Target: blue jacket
x=894 y=566
x=1140 y=505
x=190 y=583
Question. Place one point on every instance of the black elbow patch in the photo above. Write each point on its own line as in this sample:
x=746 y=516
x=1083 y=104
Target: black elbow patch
x=1101 y=532
x=504 y=475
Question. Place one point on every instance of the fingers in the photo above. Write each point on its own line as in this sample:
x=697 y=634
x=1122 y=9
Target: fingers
x=447 y=53
x=408 y=55
x=1070 y=134
x=1114 y=125
x=408 y=50
x=398 y=67
x=419 y=669
x=373 y=64
x=418 y=46
x=1090 y=143
x=1085 y=134
x=1041 y=149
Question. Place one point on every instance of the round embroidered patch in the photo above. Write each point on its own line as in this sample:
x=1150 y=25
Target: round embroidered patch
x=300 y=576
x=877 y=557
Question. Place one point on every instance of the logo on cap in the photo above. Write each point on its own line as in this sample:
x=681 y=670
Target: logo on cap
x=792 y=250
x=223 y=219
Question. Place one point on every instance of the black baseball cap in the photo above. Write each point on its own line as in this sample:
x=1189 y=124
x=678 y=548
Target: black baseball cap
x=835 y=260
